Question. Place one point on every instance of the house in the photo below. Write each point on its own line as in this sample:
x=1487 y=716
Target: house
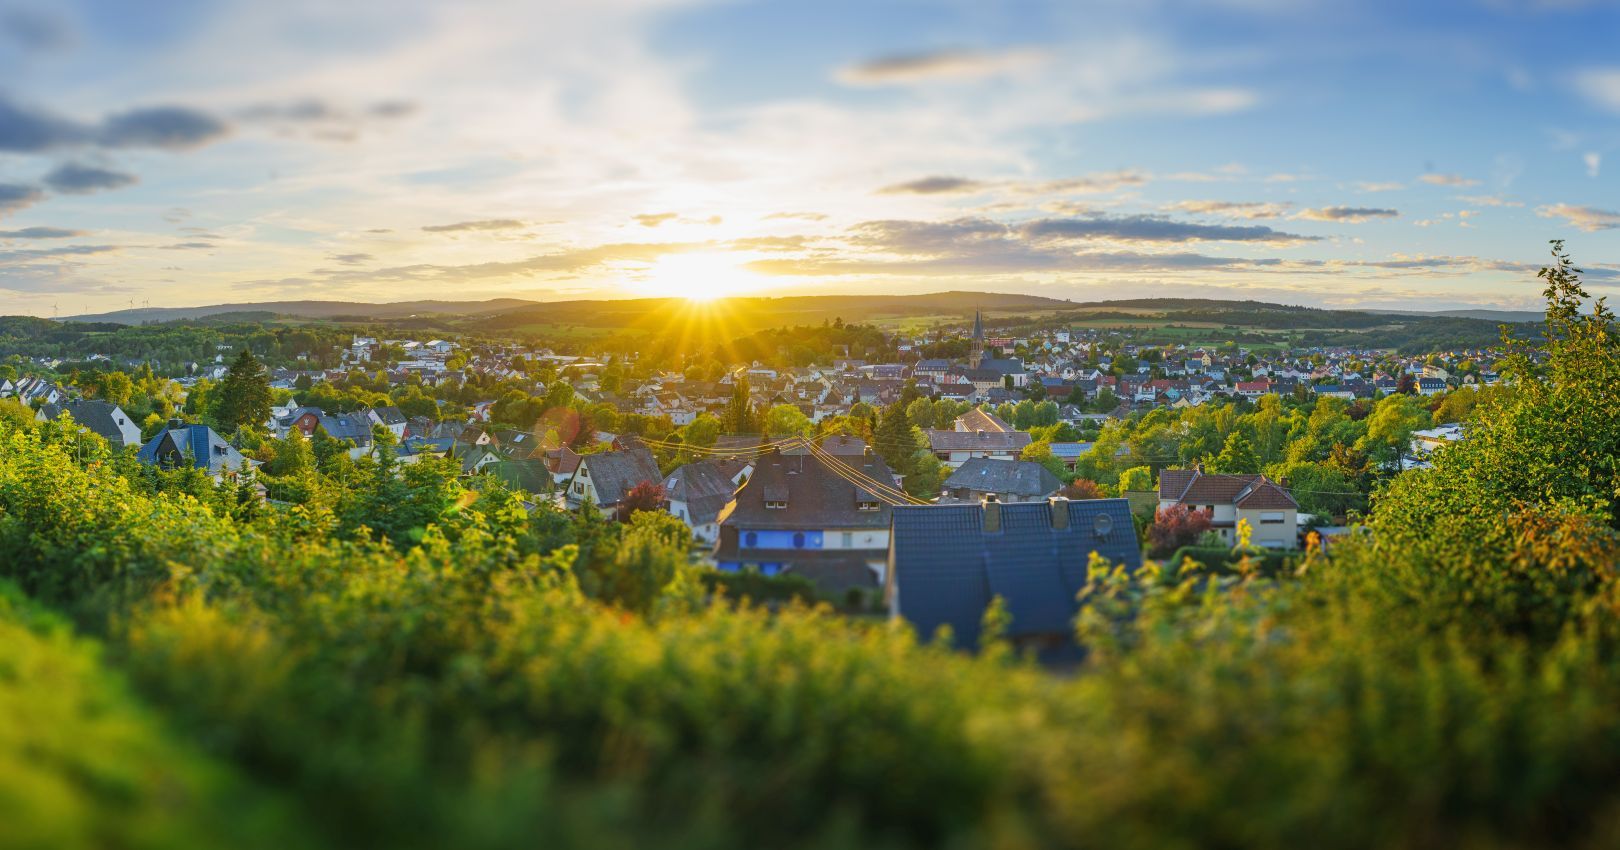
x=198 y=445
x=957 y=447
x=699 y=491
x=1430 y=386
x=946 y=563
x=391 y=418
x=979 y=419
x=812 y=516
x=105 y=419
x=1007 y=480
x=1270 y=509
x=605 y=478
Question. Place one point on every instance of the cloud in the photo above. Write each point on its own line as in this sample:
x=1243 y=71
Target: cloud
x=189 y=246
x=351 y=259
x=1600 y=86
x=653 y=219
x=72 y=178
x=35 y=30
x=938 y=65
x=15 y=196
x=27 y=129
x=1380 y=187
x=1348 y=215
x=480 y=224
x=1232 y=209
x=1489 y=201
x=1090 y=184
x=24 y=254
x=937 y=185
x=1594 y=162
x=1435 y=179
x=170 y=127
x=798 y=216
x=322 y=119
x=1150 y=228
x=40 y=233
x=1589 y=219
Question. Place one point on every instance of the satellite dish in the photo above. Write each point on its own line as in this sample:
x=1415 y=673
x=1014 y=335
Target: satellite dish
x=1102 y=525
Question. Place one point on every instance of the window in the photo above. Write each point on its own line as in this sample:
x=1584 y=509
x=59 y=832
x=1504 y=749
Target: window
x=1271 y=517
x=849 y=539
x=866 y=505
x=751 y=539
x=798 y=540
x=776 y=504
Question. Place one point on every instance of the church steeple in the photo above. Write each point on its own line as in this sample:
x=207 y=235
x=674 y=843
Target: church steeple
x=978 y=337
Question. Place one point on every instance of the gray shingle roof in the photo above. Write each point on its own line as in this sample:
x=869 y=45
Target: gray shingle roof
x=613 y=474
x=944 y=567
x=1023 y=478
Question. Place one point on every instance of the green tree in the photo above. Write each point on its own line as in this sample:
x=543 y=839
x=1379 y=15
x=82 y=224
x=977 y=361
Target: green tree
x=243 y=397
x=1237 y=457
x=739 y=417
x=786 y=420
x=896 y=440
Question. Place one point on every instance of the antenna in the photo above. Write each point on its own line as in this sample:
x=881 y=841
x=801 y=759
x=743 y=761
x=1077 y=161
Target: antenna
x=54 y=312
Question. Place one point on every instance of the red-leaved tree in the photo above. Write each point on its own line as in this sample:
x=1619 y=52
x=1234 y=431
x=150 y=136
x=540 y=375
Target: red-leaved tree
x=646 y=496
x=1175 y=527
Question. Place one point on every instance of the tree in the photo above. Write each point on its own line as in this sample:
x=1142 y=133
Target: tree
x=243 y=397
x=738 y=417
x=786 y=420
x=895 y=440
x=1174 y=527
x=1081 y=488
x=1390 y=427
x=1237 y=457
x=292 y=455
x=645 y=496
x=1136 y=478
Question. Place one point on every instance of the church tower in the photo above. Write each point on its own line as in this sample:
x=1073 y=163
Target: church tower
x=978 y=339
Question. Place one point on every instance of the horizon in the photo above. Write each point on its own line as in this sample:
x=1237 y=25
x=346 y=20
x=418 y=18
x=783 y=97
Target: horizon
x=1299 y=153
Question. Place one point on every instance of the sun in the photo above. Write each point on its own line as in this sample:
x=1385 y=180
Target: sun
x=703 y=276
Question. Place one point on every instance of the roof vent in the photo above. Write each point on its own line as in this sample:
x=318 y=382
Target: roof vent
x=992 y=512
x=1060 y=511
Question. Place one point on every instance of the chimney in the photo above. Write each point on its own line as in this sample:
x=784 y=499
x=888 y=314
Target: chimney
x=176 y=424
x=1060 y=511
x=992 y=512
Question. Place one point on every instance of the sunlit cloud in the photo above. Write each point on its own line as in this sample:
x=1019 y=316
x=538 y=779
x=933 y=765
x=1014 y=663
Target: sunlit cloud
x=1589 y=219
x=939 y=65
x=1436 y=179
x=1348 y=215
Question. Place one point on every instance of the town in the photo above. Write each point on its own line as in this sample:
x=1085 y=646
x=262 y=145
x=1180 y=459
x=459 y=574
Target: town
x=810 y=472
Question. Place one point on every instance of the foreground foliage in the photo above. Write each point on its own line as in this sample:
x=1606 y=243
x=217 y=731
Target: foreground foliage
x=492 y=679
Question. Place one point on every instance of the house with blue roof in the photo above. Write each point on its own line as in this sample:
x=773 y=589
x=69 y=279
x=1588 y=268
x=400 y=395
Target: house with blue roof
x=946 y=562
x=198 y=445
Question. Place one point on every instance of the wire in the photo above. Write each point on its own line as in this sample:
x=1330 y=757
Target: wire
x=840 y=468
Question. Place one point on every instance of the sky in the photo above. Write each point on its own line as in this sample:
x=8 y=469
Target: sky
x=1370 y=154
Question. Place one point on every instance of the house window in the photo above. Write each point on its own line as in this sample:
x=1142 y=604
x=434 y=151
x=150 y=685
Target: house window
x=751 y=539
x=776 y=504
x=849 y=539
x=798 y=540
x=1271 y=517
x=866 y=505
x=578 y=488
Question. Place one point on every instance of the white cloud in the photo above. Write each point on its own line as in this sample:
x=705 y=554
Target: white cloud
x=1594 y=161
x=1600 y=86
x=1589 y=219
x=1436 y=179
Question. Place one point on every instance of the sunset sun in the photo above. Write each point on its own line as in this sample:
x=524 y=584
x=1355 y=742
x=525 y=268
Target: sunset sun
x=700 y=277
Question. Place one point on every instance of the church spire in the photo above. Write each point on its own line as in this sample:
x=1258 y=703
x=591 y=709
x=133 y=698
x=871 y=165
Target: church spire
x=978 y=338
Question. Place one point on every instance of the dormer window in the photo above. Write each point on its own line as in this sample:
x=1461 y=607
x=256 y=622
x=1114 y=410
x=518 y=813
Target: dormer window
x=866 y=505
x=776 y=504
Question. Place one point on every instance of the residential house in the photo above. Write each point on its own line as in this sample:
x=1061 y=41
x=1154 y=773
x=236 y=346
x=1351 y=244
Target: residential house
x=820 y=518
x=105 y=419
x=198 y=445
x=1270 y=509
x=1006 y=480
x=606 y=478
x=699 y=491
x=957 y=447
x=947 y=562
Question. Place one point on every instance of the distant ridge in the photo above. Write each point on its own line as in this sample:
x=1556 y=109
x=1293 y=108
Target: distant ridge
x=307 y=310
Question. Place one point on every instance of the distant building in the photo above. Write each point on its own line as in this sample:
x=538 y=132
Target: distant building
x=699 y=491
x=955 y=448
x=1007 y=480
x=104 y=419
x=946 y=563
x=181 y=444
x=802 y=515
x=1272 y=513
x=606 y=478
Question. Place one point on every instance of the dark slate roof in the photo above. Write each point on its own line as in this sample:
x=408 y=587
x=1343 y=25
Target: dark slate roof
x=388 y=415
x=208 y=449
x=705 y=486
x=1024 y=478
x=818 y=497
x=613 y=474
x=985 y=441
x=944 y=568
x=101 y=417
